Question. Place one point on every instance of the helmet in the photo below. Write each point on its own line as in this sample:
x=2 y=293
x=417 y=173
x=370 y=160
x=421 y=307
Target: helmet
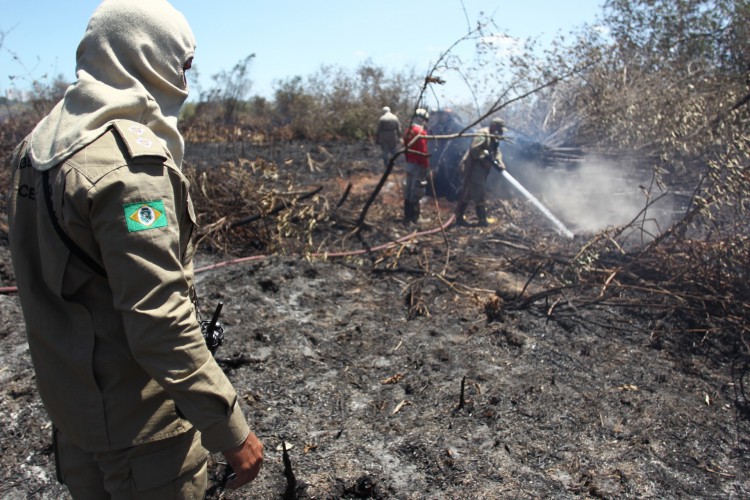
x=497 y=123
x=422 y=113
x=386 y=109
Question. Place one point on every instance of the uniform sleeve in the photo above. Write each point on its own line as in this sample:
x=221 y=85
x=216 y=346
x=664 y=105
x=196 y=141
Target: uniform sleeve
x=478 y=147
x=139 y=217
x=499 y=159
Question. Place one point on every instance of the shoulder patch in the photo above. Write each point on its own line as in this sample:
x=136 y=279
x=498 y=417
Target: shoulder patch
x=139 y=139
x=145 y=215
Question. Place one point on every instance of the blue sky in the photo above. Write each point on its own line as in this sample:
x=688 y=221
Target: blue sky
x=289 y=38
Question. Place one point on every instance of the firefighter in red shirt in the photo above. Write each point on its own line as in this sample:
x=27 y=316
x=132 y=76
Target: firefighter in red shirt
x=417 y=165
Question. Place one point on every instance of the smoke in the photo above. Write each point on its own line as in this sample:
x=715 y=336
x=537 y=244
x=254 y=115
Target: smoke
x=598 y=194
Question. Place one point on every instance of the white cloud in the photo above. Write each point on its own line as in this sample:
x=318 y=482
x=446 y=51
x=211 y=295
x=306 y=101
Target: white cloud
x=503 y=45
x=603 y=31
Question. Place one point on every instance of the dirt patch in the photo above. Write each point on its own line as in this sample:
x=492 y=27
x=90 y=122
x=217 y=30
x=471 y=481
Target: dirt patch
x=386 y=378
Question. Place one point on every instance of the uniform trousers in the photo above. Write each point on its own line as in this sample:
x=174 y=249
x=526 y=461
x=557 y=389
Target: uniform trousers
x=172 y=468
x=414 y=190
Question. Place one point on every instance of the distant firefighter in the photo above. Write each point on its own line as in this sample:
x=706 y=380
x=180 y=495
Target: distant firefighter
x=388 y=134
x=417 y=165
x=475 y=167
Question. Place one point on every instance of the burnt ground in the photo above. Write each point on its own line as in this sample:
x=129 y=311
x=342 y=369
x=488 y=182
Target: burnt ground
x=358 y=364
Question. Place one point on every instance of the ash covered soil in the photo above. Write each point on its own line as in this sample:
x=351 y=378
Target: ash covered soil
x=400 y=375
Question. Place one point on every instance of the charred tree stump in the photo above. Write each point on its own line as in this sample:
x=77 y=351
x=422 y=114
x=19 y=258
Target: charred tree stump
x=291 y=481
x=461 y=399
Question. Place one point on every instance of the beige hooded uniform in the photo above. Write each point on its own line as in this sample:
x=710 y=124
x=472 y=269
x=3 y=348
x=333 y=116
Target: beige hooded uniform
x=475 y=168
x=116 y=345
x=388 y=134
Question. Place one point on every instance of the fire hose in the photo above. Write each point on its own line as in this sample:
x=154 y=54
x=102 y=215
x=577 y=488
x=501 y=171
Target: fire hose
x=563 y=230
x=325 y=255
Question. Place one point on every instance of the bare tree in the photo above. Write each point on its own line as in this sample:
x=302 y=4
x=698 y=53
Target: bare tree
x=231 y=88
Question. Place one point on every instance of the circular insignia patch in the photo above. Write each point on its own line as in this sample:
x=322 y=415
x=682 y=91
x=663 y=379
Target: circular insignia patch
x=146 y=215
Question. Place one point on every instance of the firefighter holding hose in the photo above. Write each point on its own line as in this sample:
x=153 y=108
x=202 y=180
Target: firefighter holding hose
x=475 y=167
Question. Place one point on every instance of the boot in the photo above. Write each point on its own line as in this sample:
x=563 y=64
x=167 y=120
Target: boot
x=415 y=212
x=460 y=211
x=482 y=215
x=407 y=212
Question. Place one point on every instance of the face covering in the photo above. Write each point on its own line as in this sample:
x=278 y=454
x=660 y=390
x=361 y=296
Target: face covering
x=129 y=66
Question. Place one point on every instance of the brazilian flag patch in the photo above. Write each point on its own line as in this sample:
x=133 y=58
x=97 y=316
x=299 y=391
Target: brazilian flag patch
x=145 y=215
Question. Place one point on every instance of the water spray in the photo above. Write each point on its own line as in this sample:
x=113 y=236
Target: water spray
x=564 y=230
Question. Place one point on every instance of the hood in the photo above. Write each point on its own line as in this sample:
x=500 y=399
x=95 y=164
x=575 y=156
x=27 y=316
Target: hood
x=129 y=65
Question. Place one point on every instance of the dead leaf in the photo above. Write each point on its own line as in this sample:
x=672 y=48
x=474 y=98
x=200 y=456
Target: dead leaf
x=400 y=405
x=281 y=446
x=395 y=379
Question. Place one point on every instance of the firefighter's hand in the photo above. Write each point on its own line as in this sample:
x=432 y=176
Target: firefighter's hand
x=246 y=460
